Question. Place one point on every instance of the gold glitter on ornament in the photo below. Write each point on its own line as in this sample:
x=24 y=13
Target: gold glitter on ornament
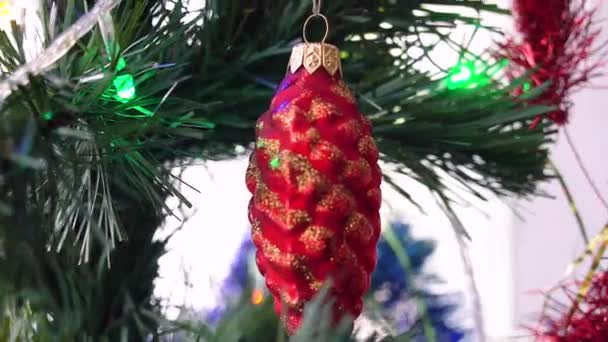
x=313 y=135
x=341 y=90
x=297 y=218
x=269 y=146
x=270 y=204
x=367 y=147
x=351 y=130
x=316 y=238
x=315 y=285
x=321 y=109
x=301 y=267
x=360 y=170
x=337 y=200
x=257 y=237
x=277 y=257
x=306 y=177
x=252 y=175
x=256 y=227
x=292 y=301
x=266 y=200
x=358 y=228
x=287 y=117
x=325 y=150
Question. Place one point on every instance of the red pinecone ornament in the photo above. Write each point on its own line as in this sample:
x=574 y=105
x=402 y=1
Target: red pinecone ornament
x=315 y=181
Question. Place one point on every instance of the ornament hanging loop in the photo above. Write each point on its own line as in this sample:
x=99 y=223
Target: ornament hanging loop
x=308 y=21
x=317 y=55
x=316 y=7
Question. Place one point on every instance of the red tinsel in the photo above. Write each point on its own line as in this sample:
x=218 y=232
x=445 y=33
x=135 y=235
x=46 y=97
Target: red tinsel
x=557 y=37
x=582 y=320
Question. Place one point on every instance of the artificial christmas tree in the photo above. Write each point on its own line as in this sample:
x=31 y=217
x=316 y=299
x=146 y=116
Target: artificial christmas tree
x=99 y=104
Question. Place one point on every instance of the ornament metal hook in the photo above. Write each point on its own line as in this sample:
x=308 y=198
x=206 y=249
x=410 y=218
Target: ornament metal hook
x=316 y=6
x=308 y=21
x=313 y=56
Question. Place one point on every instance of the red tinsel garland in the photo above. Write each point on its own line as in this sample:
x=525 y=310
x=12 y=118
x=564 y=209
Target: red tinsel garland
x=557 y=39
x=587 y=323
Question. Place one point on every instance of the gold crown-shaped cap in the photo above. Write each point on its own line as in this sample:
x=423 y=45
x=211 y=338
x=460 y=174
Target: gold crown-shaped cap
x=313 y=56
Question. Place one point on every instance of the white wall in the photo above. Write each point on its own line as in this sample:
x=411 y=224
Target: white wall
x=548 y=240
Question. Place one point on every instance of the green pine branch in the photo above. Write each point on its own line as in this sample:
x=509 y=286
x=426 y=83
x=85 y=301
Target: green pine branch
x=84 y=146
x=480 y=136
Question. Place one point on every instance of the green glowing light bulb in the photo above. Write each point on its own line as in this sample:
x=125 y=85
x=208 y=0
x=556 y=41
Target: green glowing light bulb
x=461 y=76
x=121 y=64
x=125 y=86
x=48 y=116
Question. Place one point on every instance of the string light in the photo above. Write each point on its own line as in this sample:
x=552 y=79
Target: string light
x=257 y=297
x=460 y=76
x=121 y=64
x=125 y=86
x=47 y=116
x=125 y=89
x=399 y=121
x=467 y=75
x=5 y=9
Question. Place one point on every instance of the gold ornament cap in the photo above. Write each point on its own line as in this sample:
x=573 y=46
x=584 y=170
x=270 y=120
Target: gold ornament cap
x=313 y=56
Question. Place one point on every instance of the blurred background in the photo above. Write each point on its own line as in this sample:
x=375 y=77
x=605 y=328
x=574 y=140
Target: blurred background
x=519 y=248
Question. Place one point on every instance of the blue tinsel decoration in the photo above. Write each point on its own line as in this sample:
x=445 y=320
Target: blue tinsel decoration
x=390 y=274
x=397 y=285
